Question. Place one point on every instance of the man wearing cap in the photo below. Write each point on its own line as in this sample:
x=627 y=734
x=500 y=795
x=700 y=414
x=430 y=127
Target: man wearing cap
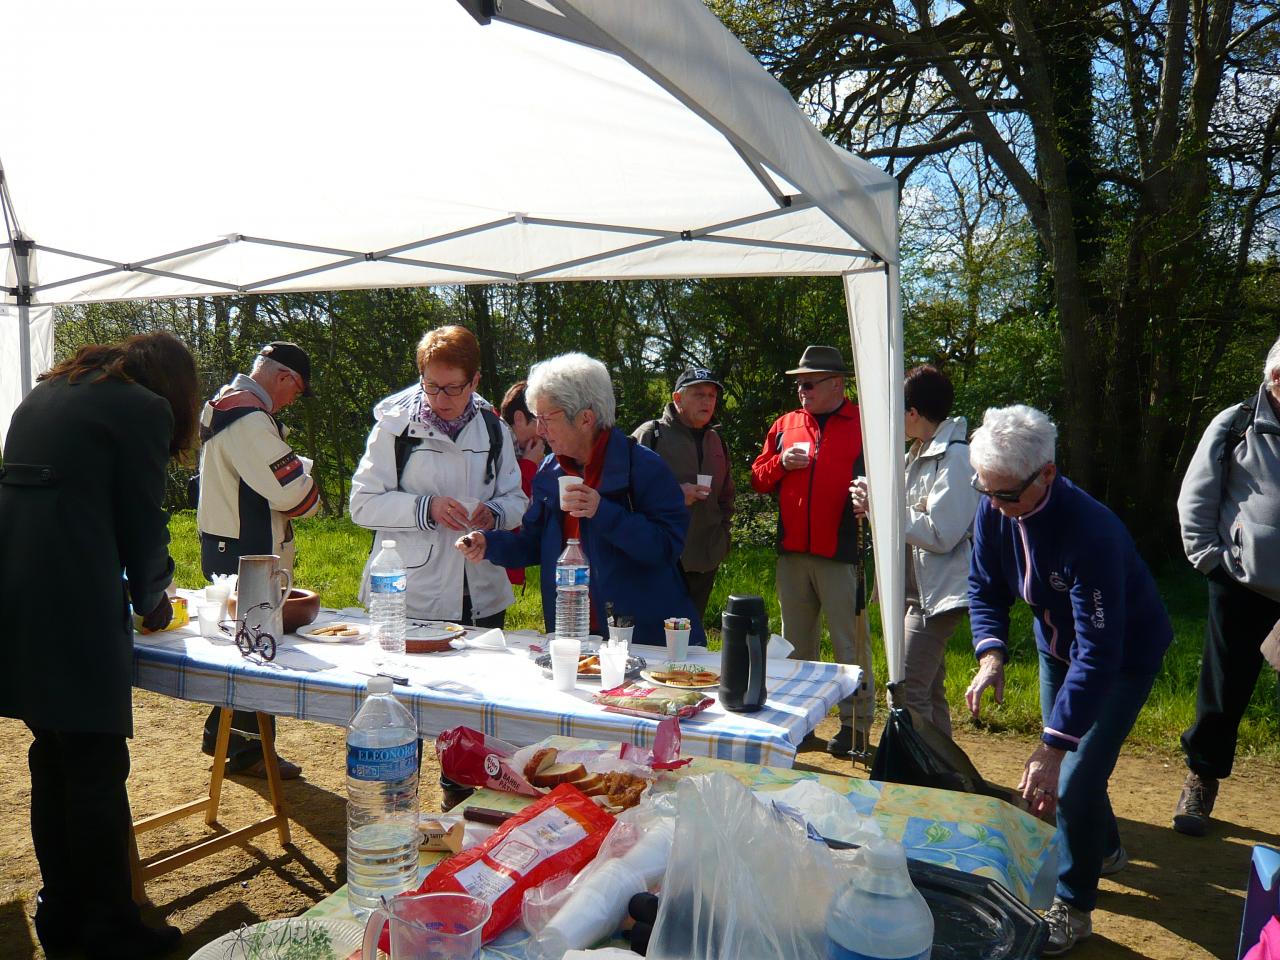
x=686 y=438
x=252 y=485
x=809 y=458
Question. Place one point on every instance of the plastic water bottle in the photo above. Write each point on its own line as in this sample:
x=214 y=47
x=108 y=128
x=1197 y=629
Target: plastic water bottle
x=880 y=915
x=387 y=584
x=382 y=800
x=573 y=593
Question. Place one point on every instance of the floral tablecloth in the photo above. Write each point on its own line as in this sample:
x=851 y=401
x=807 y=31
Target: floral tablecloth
x=978 y=835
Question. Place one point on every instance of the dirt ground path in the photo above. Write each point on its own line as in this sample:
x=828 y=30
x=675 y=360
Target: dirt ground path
x=1180 y=897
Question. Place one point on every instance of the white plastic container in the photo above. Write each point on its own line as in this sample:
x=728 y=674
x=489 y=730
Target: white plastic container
x=382 y=800
x=387 y=585
x=880 y=915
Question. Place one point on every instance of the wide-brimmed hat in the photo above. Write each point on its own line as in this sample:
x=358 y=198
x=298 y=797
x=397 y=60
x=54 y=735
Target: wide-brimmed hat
x=694 y=375
x=292 y=356
x=818 y=359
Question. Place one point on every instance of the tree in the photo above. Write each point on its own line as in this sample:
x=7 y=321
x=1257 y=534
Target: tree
x=1140 y=142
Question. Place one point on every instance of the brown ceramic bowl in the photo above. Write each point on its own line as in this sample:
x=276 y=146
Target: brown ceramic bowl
x=300 y=608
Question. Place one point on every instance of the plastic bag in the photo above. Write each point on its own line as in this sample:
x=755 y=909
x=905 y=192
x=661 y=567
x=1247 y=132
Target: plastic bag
x=573 y=913
x=915 y=752
x=830 y=814
x=743 y=881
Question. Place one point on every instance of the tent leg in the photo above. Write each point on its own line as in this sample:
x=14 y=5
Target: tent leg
x=22 y=264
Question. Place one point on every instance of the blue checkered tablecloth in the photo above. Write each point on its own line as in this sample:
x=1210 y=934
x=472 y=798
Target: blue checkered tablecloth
x=503 y=693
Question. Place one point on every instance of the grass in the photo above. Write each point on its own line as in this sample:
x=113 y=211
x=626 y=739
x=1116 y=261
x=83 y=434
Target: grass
x=332 y=551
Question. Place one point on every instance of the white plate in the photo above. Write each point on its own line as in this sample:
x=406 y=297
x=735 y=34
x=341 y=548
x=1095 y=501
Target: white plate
x=433 y=630
x=671 y=667
x=309 y=632
x=275 y=937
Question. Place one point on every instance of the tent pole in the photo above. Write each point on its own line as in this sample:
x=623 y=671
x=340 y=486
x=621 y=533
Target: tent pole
x=22 y=265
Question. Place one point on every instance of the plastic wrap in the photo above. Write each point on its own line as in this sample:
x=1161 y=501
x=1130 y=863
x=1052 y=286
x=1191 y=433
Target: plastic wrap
x=564 y=915
x=743 y=880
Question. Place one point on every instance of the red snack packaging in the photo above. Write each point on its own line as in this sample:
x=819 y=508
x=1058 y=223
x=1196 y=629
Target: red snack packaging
x=470 y=758
x=561 y=833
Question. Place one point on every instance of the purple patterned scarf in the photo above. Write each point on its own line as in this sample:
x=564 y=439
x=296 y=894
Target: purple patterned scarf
x=450 y=428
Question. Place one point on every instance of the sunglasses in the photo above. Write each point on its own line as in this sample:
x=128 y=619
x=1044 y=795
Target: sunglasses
x=1008 y=496
x=808 y=385
x=449 y=390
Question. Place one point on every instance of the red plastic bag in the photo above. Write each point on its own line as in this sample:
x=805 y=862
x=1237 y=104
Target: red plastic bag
x=559 y=834
x=470 y=758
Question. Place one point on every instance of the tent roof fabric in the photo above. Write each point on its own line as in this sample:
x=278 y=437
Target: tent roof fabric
x=159 y=150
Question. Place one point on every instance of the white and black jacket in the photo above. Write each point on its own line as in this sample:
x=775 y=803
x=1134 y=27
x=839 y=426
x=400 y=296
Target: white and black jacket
x=397 y=507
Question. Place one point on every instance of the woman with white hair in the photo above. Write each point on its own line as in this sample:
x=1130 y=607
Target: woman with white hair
x=1100 y=628
x=628 y=511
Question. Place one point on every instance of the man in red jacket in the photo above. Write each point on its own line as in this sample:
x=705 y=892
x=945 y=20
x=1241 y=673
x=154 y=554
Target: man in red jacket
x=810 y=455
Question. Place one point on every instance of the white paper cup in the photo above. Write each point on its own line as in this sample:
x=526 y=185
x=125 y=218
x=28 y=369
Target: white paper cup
x=210 y=616
x=218 y=593
x=565 y=482
x=621 y=635
x=564 y=662
x=704 y=479
x=677 y=644
x=613 y=667
x=804 y=446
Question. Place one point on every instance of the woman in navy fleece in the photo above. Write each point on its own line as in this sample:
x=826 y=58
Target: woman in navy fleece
x=1100 y=627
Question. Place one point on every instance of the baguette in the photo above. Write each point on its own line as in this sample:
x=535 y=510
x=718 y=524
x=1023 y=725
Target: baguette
x=540 y=760
x=558 y=773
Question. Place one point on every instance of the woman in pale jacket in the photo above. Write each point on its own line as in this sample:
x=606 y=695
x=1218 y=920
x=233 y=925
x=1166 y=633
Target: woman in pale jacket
x=439 y=462
x=940 y=508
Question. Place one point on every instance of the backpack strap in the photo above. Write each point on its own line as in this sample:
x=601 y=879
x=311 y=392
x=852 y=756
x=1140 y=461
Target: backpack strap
x=1239 y=425
x=405 y=445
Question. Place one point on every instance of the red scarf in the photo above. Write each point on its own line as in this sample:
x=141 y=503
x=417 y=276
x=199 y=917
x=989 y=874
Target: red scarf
x=569 y=527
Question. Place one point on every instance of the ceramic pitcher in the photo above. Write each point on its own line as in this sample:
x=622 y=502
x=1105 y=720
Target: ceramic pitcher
x=428 y=926
x=261 y=590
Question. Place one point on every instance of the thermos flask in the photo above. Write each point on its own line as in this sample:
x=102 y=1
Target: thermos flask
x=743 y=639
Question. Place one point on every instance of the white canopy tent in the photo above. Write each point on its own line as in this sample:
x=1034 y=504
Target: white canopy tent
x=152 y=149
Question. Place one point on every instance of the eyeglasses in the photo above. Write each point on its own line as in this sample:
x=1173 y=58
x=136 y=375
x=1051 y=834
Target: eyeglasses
x=296 y=379
x=808 y=385
x=542 y=420
x=449 y=390
x=1008 y=496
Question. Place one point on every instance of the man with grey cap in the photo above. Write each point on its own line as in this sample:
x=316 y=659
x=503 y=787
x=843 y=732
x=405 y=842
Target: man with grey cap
x=685 y=437
x=810 y=456
x=252 y=486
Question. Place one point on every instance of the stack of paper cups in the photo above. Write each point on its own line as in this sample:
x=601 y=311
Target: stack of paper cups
x=565 y=652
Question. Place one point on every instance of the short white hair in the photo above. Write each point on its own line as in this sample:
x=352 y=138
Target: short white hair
x=1012 y=441
x=267 y=365
x=1273 y=361
x=573 y=382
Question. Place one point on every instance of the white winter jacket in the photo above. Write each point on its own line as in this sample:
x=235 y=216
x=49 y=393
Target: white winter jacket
x=400 y=511
x=941 y=503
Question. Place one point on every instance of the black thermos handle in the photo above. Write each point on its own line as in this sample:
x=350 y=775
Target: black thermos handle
x=756 y=641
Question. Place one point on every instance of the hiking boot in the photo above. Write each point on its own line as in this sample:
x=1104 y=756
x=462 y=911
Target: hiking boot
x=1115 y=862
x=1191 y=816
x=1067 y=927
x=841 y=745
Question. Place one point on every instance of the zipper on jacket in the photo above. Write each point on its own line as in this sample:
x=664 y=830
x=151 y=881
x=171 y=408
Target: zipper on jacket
x=808 y=507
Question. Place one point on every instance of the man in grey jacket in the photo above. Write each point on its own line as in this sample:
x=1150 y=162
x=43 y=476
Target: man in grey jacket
x=686 y=438
x=1229 y=509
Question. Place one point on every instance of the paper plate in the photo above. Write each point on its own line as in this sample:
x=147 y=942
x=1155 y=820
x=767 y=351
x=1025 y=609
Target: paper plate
x=309 y=632
x=683 y=668
x=635 y=665
x=433 y=630
x=317 y=939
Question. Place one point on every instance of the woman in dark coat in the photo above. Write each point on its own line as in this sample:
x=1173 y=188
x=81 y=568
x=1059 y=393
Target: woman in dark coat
x=83 y=533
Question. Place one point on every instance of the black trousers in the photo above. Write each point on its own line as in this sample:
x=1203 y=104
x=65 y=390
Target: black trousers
x=244 y=748
x=699 y=584
x=1239 y=619
x=80 y=827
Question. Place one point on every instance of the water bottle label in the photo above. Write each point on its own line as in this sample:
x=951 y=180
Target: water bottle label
x=572 y=576
x=382 y=763
x=836 y=952
x=388 y=583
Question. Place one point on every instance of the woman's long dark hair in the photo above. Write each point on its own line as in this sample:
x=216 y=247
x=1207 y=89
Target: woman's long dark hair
x=158 y=361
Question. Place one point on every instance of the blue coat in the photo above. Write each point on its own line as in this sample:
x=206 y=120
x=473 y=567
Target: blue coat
x=1095 y=603
x=633 y=543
